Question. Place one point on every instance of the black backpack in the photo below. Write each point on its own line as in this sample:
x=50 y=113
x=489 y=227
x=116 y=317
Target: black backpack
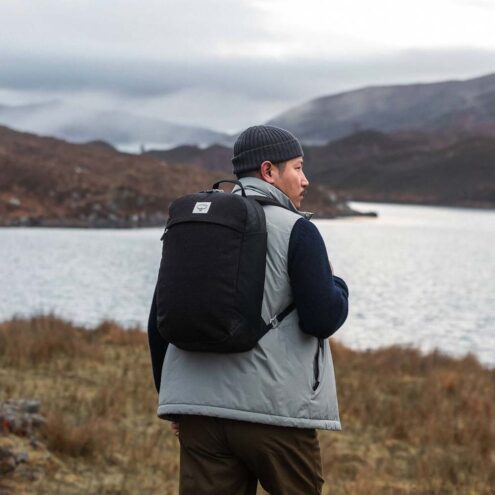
x=212 y=272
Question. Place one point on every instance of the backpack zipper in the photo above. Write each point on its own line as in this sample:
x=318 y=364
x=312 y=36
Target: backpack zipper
x=316 y=364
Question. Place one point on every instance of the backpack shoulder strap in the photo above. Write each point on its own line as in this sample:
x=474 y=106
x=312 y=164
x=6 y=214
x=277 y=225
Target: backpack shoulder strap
x=275 y=321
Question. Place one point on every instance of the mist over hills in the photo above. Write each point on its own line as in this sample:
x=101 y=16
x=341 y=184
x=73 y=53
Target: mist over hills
x=123 y=130
x=455 y=106
x=450 y=107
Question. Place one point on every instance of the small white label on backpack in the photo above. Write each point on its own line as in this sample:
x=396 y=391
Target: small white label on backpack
x=201 y=207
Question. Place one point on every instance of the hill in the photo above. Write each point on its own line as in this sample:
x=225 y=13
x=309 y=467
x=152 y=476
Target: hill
x=49 y=182
x=214 y=157
x=435 y=168
x=412 y=423
x=466 y=107
x=412 y=168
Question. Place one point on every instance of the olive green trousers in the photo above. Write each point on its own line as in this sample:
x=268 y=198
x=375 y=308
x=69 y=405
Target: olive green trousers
x=227 y=457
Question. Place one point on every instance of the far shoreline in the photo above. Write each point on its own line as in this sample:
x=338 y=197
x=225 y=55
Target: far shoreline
x=130 y=224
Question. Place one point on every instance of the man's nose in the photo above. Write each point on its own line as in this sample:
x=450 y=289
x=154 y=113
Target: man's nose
x=305 y=181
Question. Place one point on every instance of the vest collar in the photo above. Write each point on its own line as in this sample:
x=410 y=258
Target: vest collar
x=263 y=188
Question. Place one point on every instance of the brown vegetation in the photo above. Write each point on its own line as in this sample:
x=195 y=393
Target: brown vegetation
x=439 y=168
x=412 y=423
x=49 y=182
x=421 y=168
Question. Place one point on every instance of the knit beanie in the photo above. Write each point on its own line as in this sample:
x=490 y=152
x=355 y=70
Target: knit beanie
x=264 y=142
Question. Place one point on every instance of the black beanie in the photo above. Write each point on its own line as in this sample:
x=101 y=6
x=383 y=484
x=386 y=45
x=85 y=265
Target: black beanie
x=264 y=142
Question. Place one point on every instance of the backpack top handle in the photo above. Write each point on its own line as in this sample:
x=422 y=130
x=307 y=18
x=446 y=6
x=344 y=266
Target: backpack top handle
x=233 y=181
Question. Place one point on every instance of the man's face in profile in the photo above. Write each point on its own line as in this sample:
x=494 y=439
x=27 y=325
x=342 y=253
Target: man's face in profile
x=290 y=179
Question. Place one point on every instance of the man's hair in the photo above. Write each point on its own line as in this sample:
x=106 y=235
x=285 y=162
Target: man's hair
x=256 y=173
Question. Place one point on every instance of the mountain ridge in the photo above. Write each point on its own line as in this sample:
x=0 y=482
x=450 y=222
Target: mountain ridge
x=454 y=105
x=467 y=106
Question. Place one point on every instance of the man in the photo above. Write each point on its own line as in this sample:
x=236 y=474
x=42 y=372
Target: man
x=253 y=415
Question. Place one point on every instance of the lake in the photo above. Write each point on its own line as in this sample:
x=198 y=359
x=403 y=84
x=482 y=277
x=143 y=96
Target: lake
x=420 y=276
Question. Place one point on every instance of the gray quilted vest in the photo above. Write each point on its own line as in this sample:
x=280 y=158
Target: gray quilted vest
x=274 y=383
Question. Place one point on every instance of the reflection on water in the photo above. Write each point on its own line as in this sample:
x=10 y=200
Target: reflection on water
x=418 y=275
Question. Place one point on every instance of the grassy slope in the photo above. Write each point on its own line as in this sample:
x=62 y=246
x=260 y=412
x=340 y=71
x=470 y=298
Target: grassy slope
x=412 y=423
x=49 y=182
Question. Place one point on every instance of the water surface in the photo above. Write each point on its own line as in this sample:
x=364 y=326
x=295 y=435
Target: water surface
x=421 y=276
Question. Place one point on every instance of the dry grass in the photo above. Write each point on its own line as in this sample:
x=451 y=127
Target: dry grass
x=85 y=439
x=102 y=435
x=41 y=340
x=412 y=423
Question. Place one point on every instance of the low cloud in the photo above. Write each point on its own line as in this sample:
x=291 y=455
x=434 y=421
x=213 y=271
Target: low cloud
x=225 y=93
x=265 y=78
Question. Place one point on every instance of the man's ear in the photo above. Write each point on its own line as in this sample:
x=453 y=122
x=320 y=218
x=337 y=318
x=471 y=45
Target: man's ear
x=266 y=171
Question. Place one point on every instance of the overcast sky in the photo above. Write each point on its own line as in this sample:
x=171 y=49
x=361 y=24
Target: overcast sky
x=226 y=64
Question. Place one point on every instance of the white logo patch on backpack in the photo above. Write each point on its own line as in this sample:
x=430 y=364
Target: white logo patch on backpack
x=201 y=207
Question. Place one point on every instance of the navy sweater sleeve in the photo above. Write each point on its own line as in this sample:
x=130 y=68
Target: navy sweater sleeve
x=157 y=345
x=321 y=298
